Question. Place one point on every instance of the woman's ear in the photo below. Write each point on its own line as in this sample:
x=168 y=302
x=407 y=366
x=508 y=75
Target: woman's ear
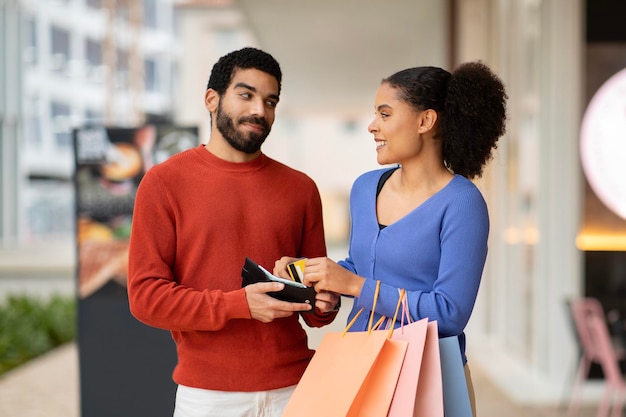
x=427 y=120
x=211 y=100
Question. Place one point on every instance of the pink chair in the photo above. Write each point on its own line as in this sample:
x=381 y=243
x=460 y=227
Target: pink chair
x=597 y=347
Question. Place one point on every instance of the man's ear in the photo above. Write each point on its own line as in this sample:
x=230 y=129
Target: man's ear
x=211 y=100
x=427 y=120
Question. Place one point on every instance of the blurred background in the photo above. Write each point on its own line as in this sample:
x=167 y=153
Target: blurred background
x=556 y=189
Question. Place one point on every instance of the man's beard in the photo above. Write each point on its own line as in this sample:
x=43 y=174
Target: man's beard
x=249 y=143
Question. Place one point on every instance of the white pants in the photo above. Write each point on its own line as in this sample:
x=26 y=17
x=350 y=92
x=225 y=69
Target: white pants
x=196 y=402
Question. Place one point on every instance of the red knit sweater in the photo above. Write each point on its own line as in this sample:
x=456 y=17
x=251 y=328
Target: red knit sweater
x=196 y=218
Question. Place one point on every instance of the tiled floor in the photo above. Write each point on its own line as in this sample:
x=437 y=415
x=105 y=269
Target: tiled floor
x=491 y=402
x=44 y=387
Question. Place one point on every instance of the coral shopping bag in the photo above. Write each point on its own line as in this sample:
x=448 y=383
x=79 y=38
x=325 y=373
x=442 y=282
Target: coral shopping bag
x=352 y=374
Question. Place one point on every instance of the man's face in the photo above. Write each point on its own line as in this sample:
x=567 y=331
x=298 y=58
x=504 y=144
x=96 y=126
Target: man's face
x=245 y=113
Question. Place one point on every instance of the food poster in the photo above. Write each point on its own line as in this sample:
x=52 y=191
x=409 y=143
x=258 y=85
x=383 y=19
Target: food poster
x=125 y=366
x=110 y=163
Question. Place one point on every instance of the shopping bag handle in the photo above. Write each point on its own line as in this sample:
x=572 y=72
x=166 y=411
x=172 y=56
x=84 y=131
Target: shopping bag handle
x=376 y=294
x=390 y=325
x=375 y=326
x=356 y=316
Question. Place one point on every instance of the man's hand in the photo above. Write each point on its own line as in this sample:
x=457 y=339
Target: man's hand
x=280 y=267
x=265 y=308
x=327 y=302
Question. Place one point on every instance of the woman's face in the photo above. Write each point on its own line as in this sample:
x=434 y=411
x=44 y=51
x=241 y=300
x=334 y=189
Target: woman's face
x=395 y=127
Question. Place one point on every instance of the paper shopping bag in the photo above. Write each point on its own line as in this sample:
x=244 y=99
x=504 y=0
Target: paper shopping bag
x=376 y=393
x=429 y=396
x=351 y=374
x=441 y=386
x=404 y=397
x=455 y=395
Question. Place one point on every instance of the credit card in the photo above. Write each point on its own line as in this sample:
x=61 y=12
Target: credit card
x=296 y=270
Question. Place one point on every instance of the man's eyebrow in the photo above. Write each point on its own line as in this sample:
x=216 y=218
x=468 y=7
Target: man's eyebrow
x=246 y=86
x=253 y=89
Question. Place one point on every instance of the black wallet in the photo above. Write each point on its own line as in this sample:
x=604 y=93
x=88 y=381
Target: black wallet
x=294 y=292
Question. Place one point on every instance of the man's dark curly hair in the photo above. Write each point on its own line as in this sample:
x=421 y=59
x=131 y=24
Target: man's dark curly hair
x=471 y=108
x=245 y=58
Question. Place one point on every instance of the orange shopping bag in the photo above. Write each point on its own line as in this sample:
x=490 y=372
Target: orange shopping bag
x=352 y=374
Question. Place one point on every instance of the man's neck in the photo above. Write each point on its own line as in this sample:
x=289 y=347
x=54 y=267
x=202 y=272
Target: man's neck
x=219 y=147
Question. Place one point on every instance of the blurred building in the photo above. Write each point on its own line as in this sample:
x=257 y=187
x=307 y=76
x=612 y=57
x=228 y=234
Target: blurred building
x=67 y=63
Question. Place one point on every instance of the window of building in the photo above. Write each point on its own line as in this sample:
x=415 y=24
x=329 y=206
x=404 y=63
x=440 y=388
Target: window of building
x=93 y=53
x=93 y=56
x=31 y=50
x=49 y=209
x=94 y=4
x=32 y=126
x=93 y=117
x=150 y=13
x=60 y=48
x=122 y=11
x=60 y=114
x=121 y=71
x=151 y=74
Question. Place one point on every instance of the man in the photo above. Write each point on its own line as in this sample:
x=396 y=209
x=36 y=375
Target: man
x=197 y=216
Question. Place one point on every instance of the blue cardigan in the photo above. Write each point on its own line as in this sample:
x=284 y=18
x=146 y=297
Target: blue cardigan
x=436 y=253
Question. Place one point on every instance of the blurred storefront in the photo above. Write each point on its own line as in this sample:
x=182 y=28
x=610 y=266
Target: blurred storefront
x=603 y=228
x=520 y=333
x=553 y=237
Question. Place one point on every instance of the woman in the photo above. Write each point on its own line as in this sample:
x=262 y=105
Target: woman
x=422 y=225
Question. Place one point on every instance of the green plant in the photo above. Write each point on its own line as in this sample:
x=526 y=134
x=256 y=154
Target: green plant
x=30 y=326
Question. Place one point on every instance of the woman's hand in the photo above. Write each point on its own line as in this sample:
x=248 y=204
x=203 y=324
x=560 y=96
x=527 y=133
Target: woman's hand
x=328 y=276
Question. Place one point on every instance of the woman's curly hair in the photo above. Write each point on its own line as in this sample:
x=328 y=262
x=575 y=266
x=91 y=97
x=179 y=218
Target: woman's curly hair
x=471 y=108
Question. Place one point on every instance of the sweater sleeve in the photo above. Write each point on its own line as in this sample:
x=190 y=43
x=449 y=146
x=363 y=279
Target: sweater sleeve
x=464 y=236
x=155 y=297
